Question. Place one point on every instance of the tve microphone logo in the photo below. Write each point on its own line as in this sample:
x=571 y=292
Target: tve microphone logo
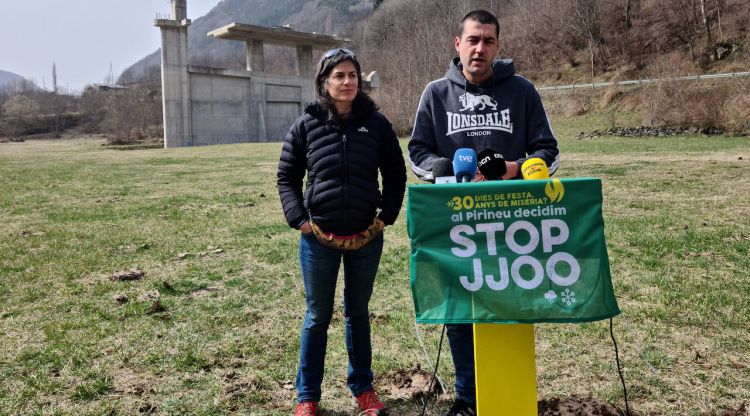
x=465 y=164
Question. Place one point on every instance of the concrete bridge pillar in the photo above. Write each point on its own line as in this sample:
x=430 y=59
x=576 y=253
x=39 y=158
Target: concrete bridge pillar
x=255 y=57
x=305 y=66
x=175 y=80
x=179 y=10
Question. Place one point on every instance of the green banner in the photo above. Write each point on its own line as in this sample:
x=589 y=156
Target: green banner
x=509 y=251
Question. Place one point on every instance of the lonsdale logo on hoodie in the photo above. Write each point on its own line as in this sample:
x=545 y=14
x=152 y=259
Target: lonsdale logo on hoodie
x=478 y=124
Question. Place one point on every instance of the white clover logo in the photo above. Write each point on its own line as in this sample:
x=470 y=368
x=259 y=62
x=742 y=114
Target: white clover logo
x=568 y=297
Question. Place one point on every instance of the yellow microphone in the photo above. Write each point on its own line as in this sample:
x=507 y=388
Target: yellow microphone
x=534 y=168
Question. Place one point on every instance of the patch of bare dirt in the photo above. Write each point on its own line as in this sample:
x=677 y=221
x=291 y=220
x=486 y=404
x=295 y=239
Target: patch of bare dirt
x=407 y=384
x=742 y=410
x=26 y=234
x=202 y=293
x=236 y=386
x=121 y=298
x=153 y=297
x=150 y=296
x=413 y=383
x=209 y=251
x=705 y=254
x=127 y=275
x=375 y=318
x=129 y=382
x=576 y=405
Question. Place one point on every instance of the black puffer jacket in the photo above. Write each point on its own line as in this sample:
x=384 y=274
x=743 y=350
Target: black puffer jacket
x=342 y=162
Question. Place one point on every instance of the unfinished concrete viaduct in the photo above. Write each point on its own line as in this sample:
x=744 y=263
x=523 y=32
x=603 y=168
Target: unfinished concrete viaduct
x=205 y=106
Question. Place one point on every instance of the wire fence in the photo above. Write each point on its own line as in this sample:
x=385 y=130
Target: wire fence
x=638 y=82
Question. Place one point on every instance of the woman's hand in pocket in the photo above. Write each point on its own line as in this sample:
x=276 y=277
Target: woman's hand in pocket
x=305 y=228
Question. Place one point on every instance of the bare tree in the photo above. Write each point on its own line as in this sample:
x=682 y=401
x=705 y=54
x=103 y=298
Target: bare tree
x=584 y=25
x=706 y=24
x=683 y=22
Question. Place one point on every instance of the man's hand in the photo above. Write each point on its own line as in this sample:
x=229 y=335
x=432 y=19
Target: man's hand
x=305 y=228
x=511 y=171
x=478 y=177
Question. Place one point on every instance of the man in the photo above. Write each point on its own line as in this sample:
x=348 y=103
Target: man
x=480 y=103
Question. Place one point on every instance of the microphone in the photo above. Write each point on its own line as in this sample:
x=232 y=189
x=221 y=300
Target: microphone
x=492 y=164
x=534 y=168
x=465 y=164
x=442 y=171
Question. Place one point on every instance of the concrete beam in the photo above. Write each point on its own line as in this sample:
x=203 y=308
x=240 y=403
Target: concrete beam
x=275 y=36
x=172 y=23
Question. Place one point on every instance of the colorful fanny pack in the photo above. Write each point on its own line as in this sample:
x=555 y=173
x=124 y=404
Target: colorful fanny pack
x=346 y=242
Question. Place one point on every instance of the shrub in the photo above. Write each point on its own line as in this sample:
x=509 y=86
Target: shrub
x=126 y=116
x=22 y=113
x=704 y=107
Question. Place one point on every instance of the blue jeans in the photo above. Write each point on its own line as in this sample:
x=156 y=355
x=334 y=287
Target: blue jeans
x=461 y=340
x=320 y=267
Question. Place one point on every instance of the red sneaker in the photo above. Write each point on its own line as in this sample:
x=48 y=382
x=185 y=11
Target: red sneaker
x=306 y=409
x=370 y=405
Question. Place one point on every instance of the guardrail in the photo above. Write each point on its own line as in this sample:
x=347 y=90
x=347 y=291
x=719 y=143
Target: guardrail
x=594 y=85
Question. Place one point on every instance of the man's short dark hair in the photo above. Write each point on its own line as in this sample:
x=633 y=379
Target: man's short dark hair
x=482 y=16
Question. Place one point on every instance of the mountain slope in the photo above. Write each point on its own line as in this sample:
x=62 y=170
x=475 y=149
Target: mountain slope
x=322 y=16
x=13 y=83
x=7 y=77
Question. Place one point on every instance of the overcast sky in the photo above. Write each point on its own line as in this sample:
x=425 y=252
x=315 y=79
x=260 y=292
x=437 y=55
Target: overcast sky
x=82 y=36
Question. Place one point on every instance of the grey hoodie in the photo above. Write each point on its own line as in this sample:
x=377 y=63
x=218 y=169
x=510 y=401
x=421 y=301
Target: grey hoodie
x=504 y=113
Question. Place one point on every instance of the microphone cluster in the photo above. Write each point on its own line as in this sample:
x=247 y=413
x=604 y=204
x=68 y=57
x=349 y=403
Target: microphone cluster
x=464 y=166
x=491 y=165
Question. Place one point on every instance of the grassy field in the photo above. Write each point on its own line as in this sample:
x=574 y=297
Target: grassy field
x=213 y=326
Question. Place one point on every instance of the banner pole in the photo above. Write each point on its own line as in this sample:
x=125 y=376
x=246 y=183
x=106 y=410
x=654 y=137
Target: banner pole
x=505 y=369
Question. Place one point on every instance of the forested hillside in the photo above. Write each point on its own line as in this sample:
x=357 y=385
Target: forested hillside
x=410 y=42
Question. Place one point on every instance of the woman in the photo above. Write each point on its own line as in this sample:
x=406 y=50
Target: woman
x=342 y=141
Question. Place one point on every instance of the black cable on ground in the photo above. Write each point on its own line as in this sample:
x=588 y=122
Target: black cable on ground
x=619 y=369
x=434 y=373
